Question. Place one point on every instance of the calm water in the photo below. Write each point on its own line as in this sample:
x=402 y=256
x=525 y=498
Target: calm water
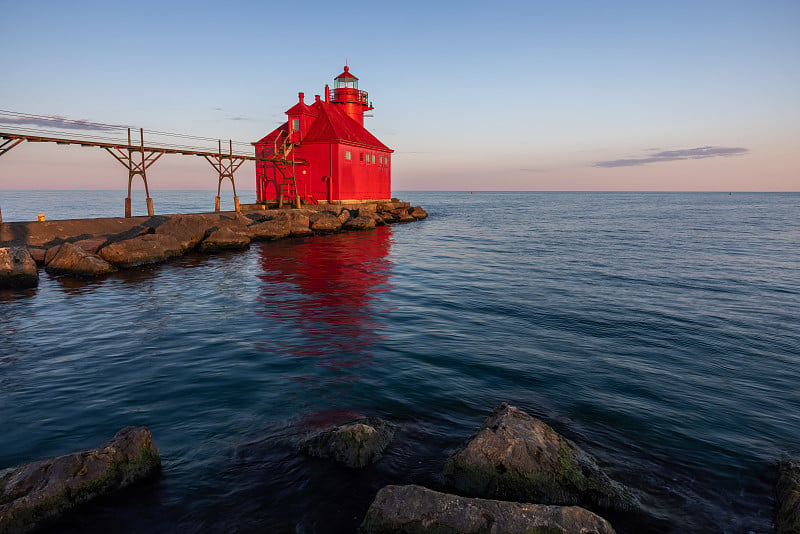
x=26 y=205
x=658 y=331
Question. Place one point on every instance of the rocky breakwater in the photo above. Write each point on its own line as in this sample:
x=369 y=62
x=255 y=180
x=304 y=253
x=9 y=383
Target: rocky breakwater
x=515 y=475
x=95 y=247
x=33 y=494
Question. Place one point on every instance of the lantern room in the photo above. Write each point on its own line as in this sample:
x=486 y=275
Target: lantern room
x=345 y=92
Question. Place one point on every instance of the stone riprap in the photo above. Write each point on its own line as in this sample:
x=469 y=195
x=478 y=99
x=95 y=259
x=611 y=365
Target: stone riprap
x=415 y=509
x=515 y=456
x=104 y=245
x=33 y=494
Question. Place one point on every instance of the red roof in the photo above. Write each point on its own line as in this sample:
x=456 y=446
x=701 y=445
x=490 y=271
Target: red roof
x=330 y=125
x=346 y=74
x=301 y=108
x=333 y=124
x=270 y=137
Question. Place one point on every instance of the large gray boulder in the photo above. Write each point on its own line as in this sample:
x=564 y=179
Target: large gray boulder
x=402 y=215
x=270 y=229
x=73 y=260
x=414 y=509
x=32 y=494
x=91 y=244
x=372 y=214
x=143 y=249
x=362 y=222
x=225 y=238
x=356 y=443
x=324 y=222
x=17 y=268
x=517 y=457
x=418 y=212
x=188 y=230
x=300 y=224
x=787 y=520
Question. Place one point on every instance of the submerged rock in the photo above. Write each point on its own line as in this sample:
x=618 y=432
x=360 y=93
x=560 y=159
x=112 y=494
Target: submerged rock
x=414 y=509
x=17 y=268
x=32 y=494
x=356 y=443
x=515 y=456
x=787 y=520
x=74 y=260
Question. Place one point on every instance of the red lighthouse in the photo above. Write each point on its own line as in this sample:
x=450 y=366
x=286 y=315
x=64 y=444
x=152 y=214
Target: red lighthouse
x=323 y=152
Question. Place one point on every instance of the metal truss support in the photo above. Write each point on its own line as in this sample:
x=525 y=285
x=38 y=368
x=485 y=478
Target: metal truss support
x=7 y=144
x=137 y=160
x=225 y=165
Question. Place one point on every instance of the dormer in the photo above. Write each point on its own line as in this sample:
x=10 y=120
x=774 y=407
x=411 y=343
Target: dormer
x=300 y=116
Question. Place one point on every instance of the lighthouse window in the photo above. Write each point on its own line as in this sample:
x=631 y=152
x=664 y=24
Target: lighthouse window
x=360 y=156
x=347 y=155
x=296 y=124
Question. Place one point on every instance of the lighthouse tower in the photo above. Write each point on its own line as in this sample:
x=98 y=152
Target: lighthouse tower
x=323 y=153
x=346 y=93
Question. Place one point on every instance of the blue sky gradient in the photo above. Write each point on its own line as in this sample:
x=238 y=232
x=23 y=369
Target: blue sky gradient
x=570 y=95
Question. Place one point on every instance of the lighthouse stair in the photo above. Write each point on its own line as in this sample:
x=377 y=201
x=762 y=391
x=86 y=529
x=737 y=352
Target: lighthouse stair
x=289 y=192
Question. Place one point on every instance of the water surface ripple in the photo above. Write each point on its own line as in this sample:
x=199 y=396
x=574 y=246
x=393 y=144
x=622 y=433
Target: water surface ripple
x=658 y=331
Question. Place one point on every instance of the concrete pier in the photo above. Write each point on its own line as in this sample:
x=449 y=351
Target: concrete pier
x=100 y=246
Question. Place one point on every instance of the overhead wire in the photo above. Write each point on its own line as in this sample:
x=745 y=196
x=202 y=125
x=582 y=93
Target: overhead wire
x=100 y=125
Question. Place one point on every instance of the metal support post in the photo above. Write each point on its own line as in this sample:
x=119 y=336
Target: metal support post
x=7 y=144
x=225 y=165
x=136 y=167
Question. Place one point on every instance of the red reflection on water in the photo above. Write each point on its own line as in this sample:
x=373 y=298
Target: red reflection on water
x=323 y=290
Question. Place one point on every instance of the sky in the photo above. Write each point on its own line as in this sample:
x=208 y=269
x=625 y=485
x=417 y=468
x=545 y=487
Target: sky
x=503 y=95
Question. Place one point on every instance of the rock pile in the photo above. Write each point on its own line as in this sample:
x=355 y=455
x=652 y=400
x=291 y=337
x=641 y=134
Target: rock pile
x=68 y=247
x=515 y=475
x=418 y=509
x=515 y=456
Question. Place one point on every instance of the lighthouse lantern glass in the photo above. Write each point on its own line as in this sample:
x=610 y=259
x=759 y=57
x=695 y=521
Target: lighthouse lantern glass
x=346 y=83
